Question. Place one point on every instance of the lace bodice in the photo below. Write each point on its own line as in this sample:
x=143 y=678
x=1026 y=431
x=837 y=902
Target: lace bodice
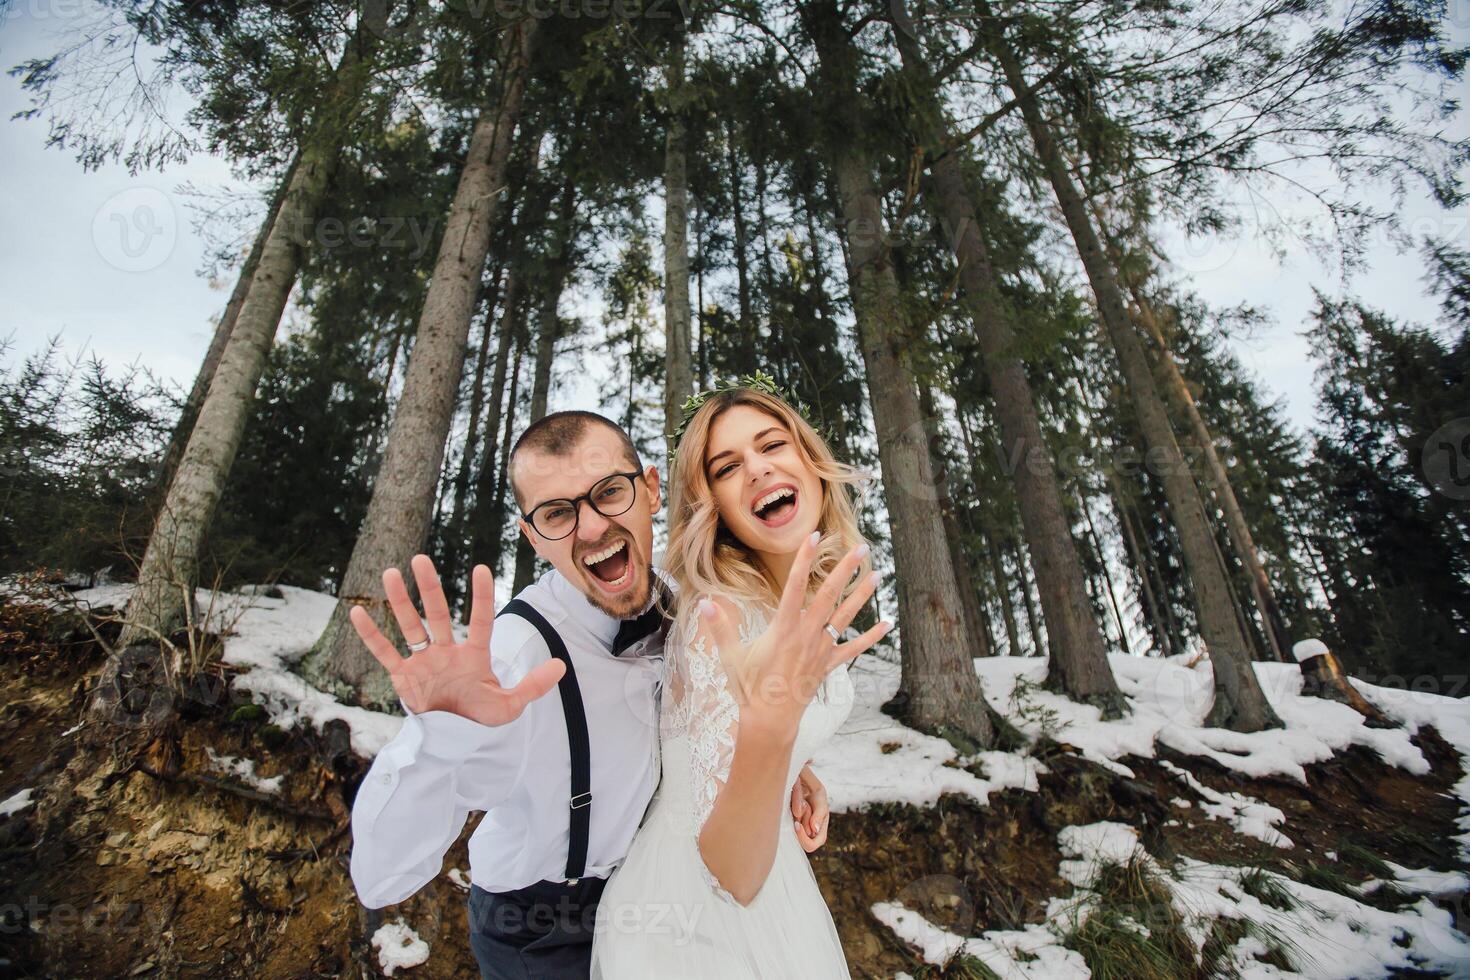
x=699 y=716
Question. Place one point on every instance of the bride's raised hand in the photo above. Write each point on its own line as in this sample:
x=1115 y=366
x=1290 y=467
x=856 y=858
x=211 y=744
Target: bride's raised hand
x=779 y=673
x=446 y=675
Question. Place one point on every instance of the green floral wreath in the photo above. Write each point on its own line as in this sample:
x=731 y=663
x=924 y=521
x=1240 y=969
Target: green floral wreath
x=756 y=381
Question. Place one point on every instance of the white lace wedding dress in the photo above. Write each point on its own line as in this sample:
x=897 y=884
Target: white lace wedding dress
x=663 y=915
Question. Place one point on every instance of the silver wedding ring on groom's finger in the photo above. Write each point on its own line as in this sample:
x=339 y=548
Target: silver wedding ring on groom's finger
x=832 y=632
x=421 y=645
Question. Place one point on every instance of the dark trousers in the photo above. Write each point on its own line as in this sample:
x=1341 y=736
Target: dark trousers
x=540 y=931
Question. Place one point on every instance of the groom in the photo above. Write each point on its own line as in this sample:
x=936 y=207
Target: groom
x=564 y=781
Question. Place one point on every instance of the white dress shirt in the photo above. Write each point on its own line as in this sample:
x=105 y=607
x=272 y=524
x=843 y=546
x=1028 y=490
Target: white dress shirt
x=414 y=800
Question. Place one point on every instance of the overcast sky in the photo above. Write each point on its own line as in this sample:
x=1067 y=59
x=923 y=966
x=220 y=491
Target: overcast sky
x=110 y=263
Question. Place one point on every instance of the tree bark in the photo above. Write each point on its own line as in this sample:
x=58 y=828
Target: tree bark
x=1079 y=663
x=547 y=333
x=502 y=479
x=226 y=326
x=678 y=365
x=964 y=581
x=1240 y=703
x=480 y=532
x=1007 y=604
x=737 y=214
x=1102 y=563
x=939 y=684
x=402 y=505
x=167 y=574
x=451 y=562
x=1241 y=539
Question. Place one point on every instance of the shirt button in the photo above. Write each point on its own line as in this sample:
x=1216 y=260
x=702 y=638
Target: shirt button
x=387 y=779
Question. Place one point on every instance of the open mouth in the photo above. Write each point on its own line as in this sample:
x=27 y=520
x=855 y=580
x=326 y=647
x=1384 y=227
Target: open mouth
x=776 y=506
x=610 y=566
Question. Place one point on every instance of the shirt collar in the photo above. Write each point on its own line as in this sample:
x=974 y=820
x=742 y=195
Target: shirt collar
x=594 y=620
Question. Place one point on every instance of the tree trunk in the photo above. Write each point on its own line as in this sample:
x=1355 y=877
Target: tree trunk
x=737 y=209
x=939 y=684
x=190 y=412
x=402 y=505
x=1033 y=621
x=502 y=479
x=1102 y=563
x=480 y=532
x=1008 y=613
x=1240 y=703
x=678 y=366
x=964 y=581
x=451 y=560
x=1007 y=605
x=548 y=330
x=1079 y=663
x=167 y=574
x=1241 y=539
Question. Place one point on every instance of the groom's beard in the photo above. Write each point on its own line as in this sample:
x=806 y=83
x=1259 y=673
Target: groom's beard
x=630 y=603
x=627 y=604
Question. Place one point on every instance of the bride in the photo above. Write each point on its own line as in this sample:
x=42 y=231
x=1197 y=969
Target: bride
x=764 y=546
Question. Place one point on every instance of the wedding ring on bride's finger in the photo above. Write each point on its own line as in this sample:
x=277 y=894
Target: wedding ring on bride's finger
x=421 y=645
x=832 y=632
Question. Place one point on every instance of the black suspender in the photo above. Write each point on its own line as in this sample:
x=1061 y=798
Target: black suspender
x=577 y=738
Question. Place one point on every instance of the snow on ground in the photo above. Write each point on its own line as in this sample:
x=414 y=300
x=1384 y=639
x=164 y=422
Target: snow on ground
x=268 y=635
x=1449 y=716
x=1325 y=936
x=999 y=949
x=399 y=947
x=1170 y=700
x=17 y=802
x=873 y=759
x=244 y=771
x=1420 y=881
x=1248 y=816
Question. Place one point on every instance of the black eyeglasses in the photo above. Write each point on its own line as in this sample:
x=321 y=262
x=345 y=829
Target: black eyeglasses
x=610 y=497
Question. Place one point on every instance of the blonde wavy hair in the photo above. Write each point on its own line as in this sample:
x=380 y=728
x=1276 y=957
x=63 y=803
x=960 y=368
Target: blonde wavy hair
x=704 y=556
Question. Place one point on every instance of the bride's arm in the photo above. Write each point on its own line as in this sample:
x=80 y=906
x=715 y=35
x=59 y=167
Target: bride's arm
x=742 y=759
x=762 y=688
x=739 y=838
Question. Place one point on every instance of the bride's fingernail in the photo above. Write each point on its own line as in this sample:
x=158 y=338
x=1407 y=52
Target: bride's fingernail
x=886 y=623
x=862 y=550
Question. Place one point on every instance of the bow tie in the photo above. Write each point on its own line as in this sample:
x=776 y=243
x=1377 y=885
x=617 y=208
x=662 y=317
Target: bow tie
x=632 y=630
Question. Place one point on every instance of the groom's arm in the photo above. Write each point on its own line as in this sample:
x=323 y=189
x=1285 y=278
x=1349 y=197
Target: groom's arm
x=414 y=800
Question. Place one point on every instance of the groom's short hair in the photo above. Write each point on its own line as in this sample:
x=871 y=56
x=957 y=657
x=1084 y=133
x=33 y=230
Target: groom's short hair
x=558 y=434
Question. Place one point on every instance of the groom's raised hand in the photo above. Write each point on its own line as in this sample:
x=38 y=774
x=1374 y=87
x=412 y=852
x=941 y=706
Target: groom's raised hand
x=449 y=676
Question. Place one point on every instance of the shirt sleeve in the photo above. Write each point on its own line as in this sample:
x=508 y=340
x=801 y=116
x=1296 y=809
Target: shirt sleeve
x=413 y=802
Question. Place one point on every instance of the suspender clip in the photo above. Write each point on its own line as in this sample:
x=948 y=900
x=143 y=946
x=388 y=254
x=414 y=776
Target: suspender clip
x=586 y=799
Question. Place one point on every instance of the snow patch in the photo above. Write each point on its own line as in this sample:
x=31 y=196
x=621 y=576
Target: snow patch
x=998 y=949
x=243 y=770
x=1248 y=816
x=267 y=636
x=1307 y=649
x=399 y=947
x=17 y=802
x=1325 y=936
x=874 y=759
